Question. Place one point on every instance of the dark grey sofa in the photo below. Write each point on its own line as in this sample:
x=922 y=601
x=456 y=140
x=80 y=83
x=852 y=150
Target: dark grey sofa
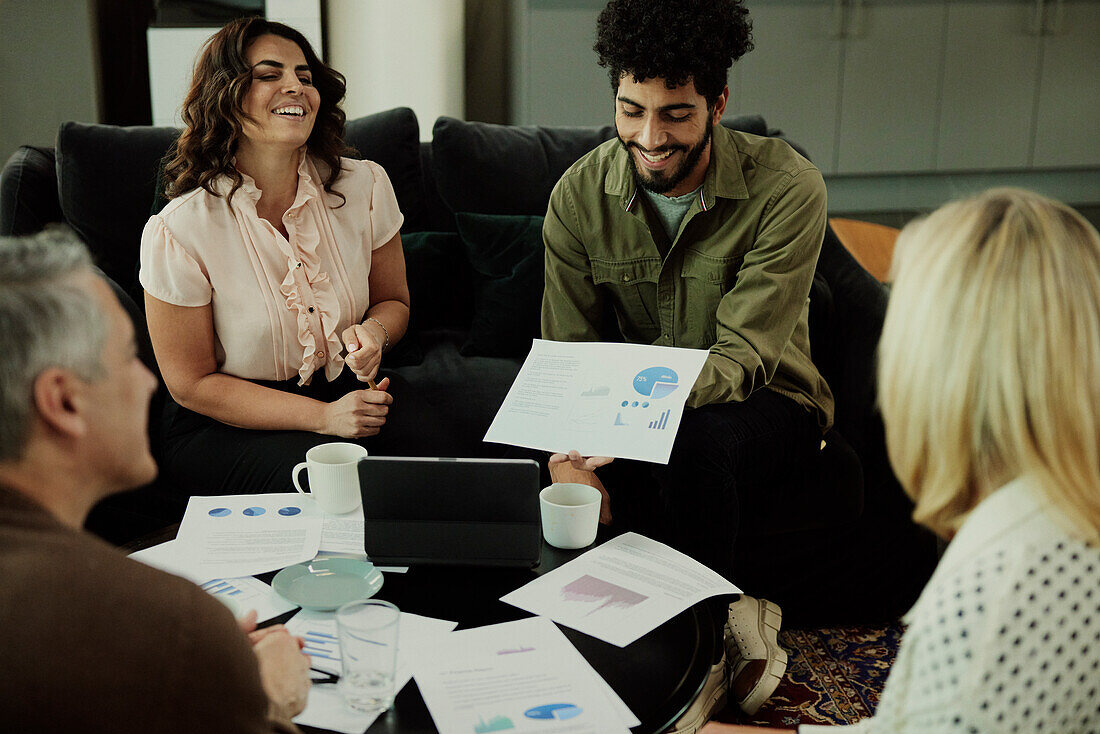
x=840 y=550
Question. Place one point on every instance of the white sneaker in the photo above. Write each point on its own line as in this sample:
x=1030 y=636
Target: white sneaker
x=756 y=661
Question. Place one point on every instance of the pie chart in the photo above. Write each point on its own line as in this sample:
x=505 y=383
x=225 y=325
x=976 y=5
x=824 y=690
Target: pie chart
x=557 y=711
x=655 y=382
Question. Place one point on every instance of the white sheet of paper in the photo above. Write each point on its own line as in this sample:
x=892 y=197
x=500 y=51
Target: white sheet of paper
x=239 y=594
x=246 y=593
x=621 y=400
x=241 y=535
x=172 y=557
x=343 y=534
x=520 y=677
x=326 y=708
x=621 y=590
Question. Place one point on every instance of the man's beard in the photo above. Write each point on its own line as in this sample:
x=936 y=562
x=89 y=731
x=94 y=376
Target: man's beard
x=661 y=182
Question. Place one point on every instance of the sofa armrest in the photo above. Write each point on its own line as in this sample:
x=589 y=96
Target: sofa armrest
x=28 y=192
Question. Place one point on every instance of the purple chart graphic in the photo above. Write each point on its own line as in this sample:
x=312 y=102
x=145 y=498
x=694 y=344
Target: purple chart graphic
x=593 y=590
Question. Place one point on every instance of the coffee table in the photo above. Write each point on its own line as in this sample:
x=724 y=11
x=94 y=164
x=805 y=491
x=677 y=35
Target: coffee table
x=657 y=676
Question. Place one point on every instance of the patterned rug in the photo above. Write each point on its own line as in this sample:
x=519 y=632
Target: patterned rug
x=834 y=676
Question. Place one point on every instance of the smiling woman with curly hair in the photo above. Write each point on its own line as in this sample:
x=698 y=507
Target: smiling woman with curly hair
x=274 y=277
x=214 y=118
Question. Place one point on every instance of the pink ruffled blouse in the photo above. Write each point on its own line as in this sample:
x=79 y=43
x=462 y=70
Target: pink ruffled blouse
x=279 y=305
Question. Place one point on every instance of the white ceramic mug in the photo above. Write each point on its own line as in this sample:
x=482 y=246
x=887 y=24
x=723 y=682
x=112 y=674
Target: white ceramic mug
x=333 y=475
x=570 y=514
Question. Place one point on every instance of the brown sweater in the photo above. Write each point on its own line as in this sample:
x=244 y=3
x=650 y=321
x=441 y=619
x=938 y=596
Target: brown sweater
x=96 y=642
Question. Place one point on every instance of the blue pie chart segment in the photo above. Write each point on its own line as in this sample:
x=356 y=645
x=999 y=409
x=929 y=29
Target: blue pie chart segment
x=655 y=382
x=558 y=711
x=289 y=511
x=254 y=511
x=220 y=512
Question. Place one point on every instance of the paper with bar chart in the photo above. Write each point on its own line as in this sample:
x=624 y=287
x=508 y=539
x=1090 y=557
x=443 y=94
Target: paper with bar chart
x=620 y=590
x=326 y=708
x=621 y=400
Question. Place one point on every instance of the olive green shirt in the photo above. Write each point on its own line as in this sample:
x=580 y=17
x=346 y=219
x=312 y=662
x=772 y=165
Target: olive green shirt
x=736 y=279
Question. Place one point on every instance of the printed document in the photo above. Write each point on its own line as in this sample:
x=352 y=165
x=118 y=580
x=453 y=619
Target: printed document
x=620 y=400
x=242 y=535
x=241 y=594
x=519 y=677
x=621 y=590
x=326 y=708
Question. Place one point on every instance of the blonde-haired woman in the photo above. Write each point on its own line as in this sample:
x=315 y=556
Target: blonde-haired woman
x=989 y=382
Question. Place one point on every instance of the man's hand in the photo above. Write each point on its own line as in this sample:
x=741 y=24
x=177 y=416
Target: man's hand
x=578 y=462
x=573 y=467
x=284 y=670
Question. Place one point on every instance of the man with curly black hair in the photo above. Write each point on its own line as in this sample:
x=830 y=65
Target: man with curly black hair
x=685 y=233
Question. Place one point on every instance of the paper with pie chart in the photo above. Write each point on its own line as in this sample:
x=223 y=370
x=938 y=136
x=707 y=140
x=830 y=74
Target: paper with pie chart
x=521 y=677
x=602 y=399
x=240 y=535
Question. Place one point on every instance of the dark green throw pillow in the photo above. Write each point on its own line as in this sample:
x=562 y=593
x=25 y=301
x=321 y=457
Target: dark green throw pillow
x=439 y=291
x=506 y=255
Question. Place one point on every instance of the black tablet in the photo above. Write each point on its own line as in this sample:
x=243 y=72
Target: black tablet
x=470 y=512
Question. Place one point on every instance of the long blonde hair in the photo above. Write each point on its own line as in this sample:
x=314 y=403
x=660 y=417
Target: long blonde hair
x=989 y=363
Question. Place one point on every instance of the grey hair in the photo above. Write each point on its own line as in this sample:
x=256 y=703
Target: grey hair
x=46 y=320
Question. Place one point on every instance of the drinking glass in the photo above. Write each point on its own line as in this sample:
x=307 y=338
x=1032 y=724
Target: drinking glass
x=368 y=648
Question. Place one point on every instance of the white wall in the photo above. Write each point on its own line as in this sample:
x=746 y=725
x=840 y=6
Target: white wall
x=400 y=54
x=47 y=70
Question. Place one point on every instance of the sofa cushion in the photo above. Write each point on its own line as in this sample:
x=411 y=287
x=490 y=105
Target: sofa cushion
x=504 y=169
x=392 y=140
x=106 y=177
x=506 y=254
x=464 y=392
x=439 y=278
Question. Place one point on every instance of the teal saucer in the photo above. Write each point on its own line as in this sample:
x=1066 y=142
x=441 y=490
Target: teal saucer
x=323 y=585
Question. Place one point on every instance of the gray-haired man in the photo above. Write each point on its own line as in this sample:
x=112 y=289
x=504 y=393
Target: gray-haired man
x=97 y=642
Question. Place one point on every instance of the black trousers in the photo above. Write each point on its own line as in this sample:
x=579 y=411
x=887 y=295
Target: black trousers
x=723 y=456
x=208 y=457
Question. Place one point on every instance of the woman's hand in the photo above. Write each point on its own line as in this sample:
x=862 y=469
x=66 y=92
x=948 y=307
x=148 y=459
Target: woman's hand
x=364 y=350
x=573 y=467
x=358 y=414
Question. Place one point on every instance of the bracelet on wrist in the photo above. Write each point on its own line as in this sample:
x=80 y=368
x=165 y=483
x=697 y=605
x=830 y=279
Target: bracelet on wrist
x=385 y=331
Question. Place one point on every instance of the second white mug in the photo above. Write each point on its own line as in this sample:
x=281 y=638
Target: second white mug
x=570 y=514
x=333 y=475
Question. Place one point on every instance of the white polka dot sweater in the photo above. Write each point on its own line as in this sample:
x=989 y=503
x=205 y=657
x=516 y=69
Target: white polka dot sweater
x=1006 y=636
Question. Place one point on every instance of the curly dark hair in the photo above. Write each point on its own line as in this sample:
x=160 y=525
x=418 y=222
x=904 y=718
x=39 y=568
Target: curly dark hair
x=214 y=116
x=675 y=40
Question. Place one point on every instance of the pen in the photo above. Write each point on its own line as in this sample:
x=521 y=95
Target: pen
x=329 y=677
